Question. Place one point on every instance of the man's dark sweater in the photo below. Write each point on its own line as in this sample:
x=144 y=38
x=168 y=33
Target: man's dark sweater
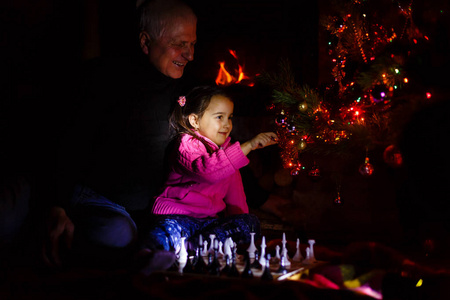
x=115 y=143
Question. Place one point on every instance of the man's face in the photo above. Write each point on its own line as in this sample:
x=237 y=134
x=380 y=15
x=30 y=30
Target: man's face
x=175 y=48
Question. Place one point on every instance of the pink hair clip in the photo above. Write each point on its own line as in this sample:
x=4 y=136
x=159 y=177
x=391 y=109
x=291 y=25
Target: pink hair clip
x=182 y=100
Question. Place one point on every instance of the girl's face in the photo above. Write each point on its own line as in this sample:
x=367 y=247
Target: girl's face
x=216 y=124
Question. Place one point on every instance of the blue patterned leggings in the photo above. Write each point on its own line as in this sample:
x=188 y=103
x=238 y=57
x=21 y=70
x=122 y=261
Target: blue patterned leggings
x=168 y=229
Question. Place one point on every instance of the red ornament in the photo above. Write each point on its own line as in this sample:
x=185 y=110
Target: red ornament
x=366 y=169
x=338 y=200
x=314 y=173
x=294 y=172
x=392 y=156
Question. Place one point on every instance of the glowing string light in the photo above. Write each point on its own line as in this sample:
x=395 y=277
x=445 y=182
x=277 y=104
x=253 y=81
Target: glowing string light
x=419 y=283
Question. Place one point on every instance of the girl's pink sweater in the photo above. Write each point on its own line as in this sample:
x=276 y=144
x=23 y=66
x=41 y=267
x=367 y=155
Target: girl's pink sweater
x=201 y=184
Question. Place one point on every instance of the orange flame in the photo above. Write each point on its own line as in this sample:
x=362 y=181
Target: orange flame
x=225 y=78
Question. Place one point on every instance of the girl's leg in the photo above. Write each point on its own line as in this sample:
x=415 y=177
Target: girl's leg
x=167 y=230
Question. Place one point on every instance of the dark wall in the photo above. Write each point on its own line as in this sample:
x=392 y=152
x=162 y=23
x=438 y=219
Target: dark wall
x=43 y=44
x=261 y=33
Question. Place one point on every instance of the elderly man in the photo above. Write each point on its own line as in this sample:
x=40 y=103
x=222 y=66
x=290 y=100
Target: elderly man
x=110 y=157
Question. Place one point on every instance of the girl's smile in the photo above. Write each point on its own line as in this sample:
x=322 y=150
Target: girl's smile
x=216 y=123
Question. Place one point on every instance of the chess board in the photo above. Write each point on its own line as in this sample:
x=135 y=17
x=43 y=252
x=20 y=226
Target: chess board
x=219 y=259
x=294 y=271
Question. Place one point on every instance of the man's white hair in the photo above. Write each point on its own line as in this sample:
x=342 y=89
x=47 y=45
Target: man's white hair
x=155 y=16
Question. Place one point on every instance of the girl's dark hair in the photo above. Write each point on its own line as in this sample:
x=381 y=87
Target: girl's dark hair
x=197 y=101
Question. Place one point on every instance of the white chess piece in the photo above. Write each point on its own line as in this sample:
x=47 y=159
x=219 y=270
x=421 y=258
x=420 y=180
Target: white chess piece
x=234 y=250
x=311 y=247
x=211 y=245
x=298 y=255
x=307 y=260
x=285 y=258
x=182 y=254
x=200 y=243
x=220 y=252
x=262 y=257
x=277 y=256
x=205 y=248
x=252 y=248
x=284 y=249
x=227 y=247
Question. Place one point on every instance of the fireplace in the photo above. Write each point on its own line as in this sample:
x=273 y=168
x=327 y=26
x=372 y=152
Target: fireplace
x=261 y=33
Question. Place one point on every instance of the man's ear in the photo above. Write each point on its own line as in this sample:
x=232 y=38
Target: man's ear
x=144 y=41
x=193 y=120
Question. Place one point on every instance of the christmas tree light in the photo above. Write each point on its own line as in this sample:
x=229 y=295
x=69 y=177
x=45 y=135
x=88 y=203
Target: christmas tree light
x=371 y=97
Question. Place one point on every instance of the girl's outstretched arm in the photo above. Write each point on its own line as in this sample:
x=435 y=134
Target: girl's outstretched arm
x=262 y=140
x=195 y=161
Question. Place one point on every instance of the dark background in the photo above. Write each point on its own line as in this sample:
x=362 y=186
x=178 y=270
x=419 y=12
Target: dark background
x=44 y=44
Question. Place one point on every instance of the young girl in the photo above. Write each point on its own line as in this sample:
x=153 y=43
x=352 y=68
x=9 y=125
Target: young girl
x=204 y=193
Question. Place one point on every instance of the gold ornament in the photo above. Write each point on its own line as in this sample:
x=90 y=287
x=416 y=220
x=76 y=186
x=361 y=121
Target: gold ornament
x=301 y=145
x=283 y=177
x=303 y=107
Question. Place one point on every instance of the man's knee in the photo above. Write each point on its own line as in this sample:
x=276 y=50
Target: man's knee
x=108 y=228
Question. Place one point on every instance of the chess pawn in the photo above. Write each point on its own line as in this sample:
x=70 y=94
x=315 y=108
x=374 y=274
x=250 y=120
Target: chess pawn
x=196 y=256
x=262 y=259
x=200 y=242
x=210 y=260
x=199 y=265
x=205 y=249
x=277 y=257
x=311 y=247
x=189 y=267
x=256 y=264
x=252 y=248
x=285 y=258
x=233 y=272
x=282 y=269
x=308 y=260
x=220 y=253
x=227 y=267
x=298 y=255
x=247 y=273
x=214 y=265
x=267 y=275
x=234 y=250
x=182 y=254
x=211 y=245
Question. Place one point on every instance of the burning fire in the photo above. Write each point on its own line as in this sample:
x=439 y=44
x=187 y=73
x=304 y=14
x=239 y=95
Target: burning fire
x=225 y=78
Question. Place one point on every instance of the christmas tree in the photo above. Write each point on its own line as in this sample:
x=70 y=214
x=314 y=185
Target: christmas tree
x=375 y=49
